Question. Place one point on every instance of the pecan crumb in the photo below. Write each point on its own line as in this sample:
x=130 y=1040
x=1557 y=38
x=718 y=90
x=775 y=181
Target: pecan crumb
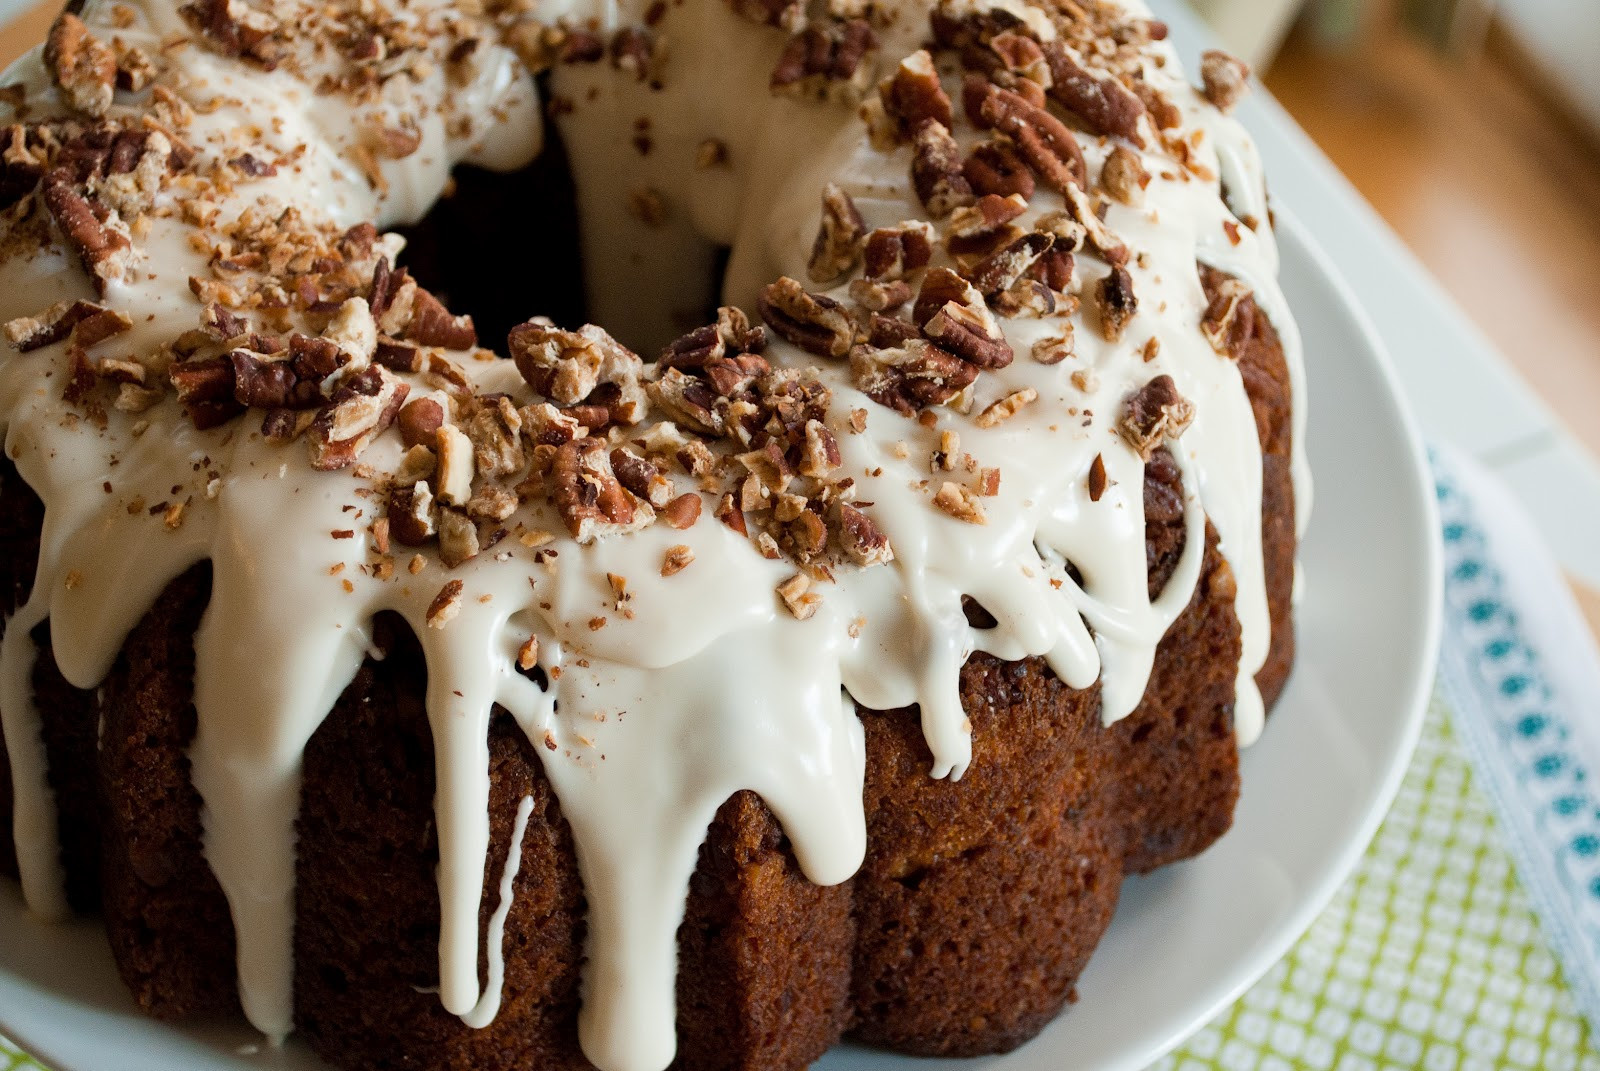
x=1124 y=176
x=1155 y=414
x=1225 y=79
x=1097 y=478
x=1054 y=350
x=1115 y=300
x=959 y=502
x=1003 y=410
x=446 y=605
x=677 y=559
x=838 y=242
x=528 y=654
x=798 y=597
x=647 y=206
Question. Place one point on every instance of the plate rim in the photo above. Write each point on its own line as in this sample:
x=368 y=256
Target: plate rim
x=1411 y=709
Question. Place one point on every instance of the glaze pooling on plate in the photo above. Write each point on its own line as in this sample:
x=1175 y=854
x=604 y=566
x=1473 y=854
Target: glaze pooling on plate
x=644 y=713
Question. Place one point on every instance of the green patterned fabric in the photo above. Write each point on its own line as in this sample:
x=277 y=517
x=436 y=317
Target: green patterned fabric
x=1428 y=958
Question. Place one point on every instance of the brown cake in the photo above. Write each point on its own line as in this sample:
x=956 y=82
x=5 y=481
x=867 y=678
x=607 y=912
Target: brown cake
x=543 y=706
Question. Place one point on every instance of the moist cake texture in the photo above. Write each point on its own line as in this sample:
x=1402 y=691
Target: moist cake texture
x=476 y=703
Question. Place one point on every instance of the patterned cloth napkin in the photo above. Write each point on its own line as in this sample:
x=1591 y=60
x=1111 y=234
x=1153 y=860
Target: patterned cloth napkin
x=1469 y=937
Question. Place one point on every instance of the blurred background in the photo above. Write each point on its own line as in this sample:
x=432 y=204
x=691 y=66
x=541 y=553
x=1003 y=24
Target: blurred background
x=1473 y=127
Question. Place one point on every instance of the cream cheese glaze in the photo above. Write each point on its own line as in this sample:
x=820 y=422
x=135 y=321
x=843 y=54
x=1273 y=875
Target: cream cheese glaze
x=706 y=685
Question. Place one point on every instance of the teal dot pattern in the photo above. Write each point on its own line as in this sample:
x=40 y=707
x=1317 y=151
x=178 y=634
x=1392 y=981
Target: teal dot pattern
x=1430 y=957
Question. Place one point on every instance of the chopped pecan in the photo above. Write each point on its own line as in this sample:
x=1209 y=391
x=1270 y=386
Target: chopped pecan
x=1225 y=79
x=939 y=286
x=432 y=324
x=445 y=606
x=827 y=63
x=682 y=512
x=1153 y=415
x=457 y=465
x=971 y=334
x=62 y=319
x=412 y=514
x=1004 y=409
x=1123 y=176
x=570 y=367
x=936 y=170
x=1047 y=145
x=1054 y=350
x=862 y=541
x=1102 y=103
x=1115 y=300
x=1085 y=225
x=814 y=322
x=987 y=215
x=495 y=431
x=913 y=94
x=1165 y=114
x=419 y=421
x=911 y=376
x=995 y=168
x=1097 y=478
x=875 y=296
x=206 y=391
x=838 y=242
x=271 y=384
x=588 y=495
x=1003 y=268
x=362 y=408
x=677 y=558
x=895 y=252
x=960 y=502
x=821 y=453
x=95 y=233
x=236 y=29
x=641 y=477
x=729 y=513
x=797 y=596
x=688 y=401
x=1229 y=319
x=82 y=66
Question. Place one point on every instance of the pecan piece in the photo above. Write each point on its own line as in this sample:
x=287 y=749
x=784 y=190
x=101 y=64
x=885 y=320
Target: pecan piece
x=60 y=320
x=419 y=421
x=1003 y=268
x=571 y=367
x=1153 y=415
x=95 y=233
x=788 y=14
x=913 y=94
x=234 y=28
x=1116 y=302
x=911 y=376
x=1229 y=319
x=895 y=252
x=1103 y=104
x=206 y=391
x=814 y=322
x=1044 y=141
x=828 y=63
x=936 y=170
x=1225 y=79
x=362 y=408
x=83 y=67
x=433 y=325
x=412 y=514
x=641 y=477
x=1123 y=176
x=862 y=541
x=995 y=168
x=838 y=242
x=588 y=495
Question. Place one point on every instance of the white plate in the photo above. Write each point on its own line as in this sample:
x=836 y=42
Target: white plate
x=1187 y=940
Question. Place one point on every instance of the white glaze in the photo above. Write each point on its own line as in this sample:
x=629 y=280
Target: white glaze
x=711 y=687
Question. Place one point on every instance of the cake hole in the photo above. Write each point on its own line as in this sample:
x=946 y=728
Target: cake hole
x=977 y=616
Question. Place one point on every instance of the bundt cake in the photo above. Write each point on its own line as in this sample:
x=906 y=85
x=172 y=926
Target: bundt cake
x=537 y=704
